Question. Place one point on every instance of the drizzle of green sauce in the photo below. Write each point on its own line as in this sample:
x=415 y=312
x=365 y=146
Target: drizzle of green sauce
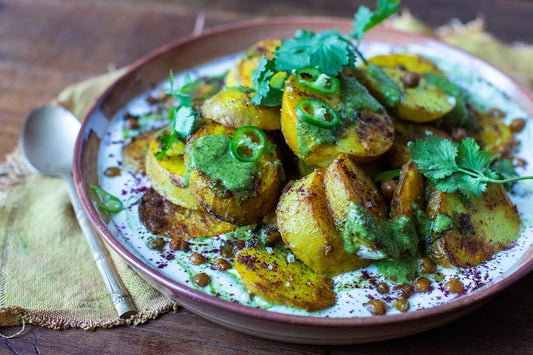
x=394 y=238
x=403 y=270
x=211 y=155
x=389 y=239
x=459 y=115
x=388 y=88
x=354 y=97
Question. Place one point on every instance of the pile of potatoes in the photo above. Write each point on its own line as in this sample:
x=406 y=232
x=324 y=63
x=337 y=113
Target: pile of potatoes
x=306 y=195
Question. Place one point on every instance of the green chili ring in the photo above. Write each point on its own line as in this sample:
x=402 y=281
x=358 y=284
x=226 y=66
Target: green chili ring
x=240 y=139
x=315 y=80
x=108 y=202
x=317 y=113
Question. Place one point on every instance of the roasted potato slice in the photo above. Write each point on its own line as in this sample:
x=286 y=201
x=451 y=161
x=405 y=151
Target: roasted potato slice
x=360 y=214
x=493 y=135
x=347 y=184
x=365 y=131
x=134 y=152
x=164 y=218
x=241 y=73
x=481 y=226
x=409 y=192
x=308 y=229
x=232 y=107
x=276 y=279
x=240 y=206
x=167 y=175
x=417 y=100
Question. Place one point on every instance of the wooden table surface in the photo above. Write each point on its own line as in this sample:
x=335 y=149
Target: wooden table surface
x=47 y=45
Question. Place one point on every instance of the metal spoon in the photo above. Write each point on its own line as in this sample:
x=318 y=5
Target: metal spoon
x=48 y=139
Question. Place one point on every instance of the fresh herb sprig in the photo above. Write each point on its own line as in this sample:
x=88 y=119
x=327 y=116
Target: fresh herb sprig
x=365 y=19
x=181 y=117
x=458 y=167
x=327 y=51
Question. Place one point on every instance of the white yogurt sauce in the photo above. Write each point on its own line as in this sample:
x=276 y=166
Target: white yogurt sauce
x=353 y=288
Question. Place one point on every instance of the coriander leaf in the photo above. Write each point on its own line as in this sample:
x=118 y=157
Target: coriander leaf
x=435 y=157
x=466 y=184
x=266 y=95
x=504 y=169
x=166 y=142
x=184 y=121
x=364 y=19
x=463 y=168
x=471 y=158
x=180 y=95
x=327 y=51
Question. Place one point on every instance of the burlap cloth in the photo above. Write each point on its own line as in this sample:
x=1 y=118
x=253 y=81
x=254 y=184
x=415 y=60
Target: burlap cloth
x=47 y=274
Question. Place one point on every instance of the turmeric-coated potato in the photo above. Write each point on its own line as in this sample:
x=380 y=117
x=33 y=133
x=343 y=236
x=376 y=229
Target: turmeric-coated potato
x=241 y=73
x=409 y=192
x=134 y=152
x=232 y=107
x=164 y=218
x=365 y=130
x=401 y=76
x=279 y=279
x=224 y=197
x=167 y=175
x=308 y=229
x=481 y=226
x=493 y=135
x=347 y=184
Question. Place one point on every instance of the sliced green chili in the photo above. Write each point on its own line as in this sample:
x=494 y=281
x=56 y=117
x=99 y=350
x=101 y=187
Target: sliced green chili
x=243 y=148
x=315 y=80
x=108 y=202
x=317 y=113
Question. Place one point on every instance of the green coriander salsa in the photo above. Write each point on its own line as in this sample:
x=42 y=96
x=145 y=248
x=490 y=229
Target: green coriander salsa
x=211 y=155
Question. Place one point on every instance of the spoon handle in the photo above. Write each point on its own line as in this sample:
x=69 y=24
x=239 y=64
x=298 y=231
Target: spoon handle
x=119 y=294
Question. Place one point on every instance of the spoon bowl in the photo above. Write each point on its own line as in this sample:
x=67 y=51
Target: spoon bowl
x=48 y=140
x=48 y=137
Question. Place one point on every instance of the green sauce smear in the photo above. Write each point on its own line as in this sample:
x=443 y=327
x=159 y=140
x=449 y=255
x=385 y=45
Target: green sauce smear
x=211 y=155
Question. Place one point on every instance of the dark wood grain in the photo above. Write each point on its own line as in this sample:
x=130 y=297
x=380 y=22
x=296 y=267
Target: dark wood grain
x=47 y=45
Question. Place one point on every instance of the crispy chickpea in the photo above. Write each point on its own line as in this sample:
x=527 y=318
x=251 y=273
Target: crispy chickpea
x=197 y=259
x=458 y=134
x=454 y=286
x=518 y=161
x=112 y=171
x=382 y=288
x=179 y=244
x=376 y=307
x=239 y=244
x=131 y=123
x=426 y=266
x=387 y=188
x=227 y=253
x=422 y=285
x=270 y=236
x=517 y=125
x=403 y=290
x=156 y=243
x=497 y=113
x=221 y=264
x=402 y=305
x=201 y=279
x=410 y=79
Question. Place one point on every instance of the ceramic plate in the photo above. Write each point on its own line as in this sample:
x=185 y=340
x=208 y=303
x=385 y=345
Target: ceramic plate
x=221 y=46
